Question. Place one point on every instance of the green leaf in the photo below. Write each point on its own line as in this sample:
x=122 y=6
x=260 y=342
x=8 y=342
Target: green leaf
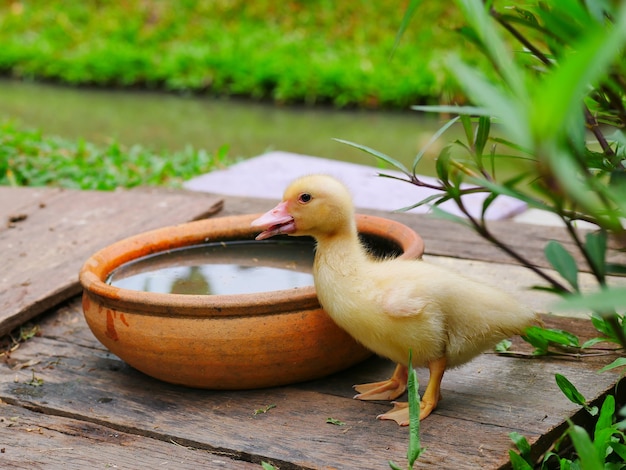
x=615 y=269
x=608 y=299
x=453 y=109
x=336 y=422
x=589 y=458
x=521 y=443
x=592 y=342
x=569 y=390
x=518 y=462
x=476 y=15
x=600 y=324
x=482 y=135
x=559 y=94
x=620 y=449
x=394 y=466
x=507 y=108
x=503 y=346
x=406 y=19
x=595 y=245
x=563 y=262
x=542 y=338
x=619 y=362
x=442 y=165
x=440 y=213
x=506 y=190
x=432 y=140
x=605 y=418
x=467 y=128
x=415 y=447
x=386 y=158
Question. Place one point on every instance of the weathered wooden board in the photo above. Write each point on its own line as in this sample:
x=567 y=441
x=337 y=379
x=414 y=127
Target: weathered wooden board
x=47 y=234
x=483 y=402
x=30 y=440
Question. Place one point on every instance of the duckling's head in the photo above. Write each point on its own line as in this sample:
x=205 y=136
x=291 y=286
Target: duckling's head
x=315 y=205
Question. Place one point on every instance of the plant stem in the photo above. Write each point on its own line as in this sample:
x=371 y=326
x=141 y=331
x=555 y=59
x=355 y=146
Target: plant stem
x=594 y=270
x=482 y=229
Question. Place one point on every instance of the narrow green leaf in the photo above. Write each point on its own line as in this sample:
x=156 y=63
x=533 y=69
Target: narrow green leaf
x=440 y=213
x=482 y=135
x=442 y=165
x=521 y=443
x=607 y=299
x=615 y=269
x=518 y=462
x=592 y=342
x=453 y=109
x=562 y=337
x=619 y=362
x=605 y=418
x=534 y=338
x=560 y=92
x=506 y=107
x=620 y=449
x=477 y=17
x=505 y=190
x=563 y=262
x=406 y=19
x=595 y=245
x=437 y=198
x=386 y=158
x=600 y=324
x=467 y=128
x=503 y=346
x=589 y=458
x=394 y=466
x=569 y=390
x=415 y=447
x=432 y=140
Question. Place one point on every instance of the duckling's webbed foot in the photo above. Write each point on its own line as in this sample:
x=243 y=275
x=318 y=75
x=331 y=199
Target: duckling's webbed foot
x=385 y=390
x=400 y=411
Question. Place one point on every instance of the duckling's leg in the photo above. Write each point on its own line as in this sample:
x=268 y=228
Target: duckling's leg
x=400 y=411
x=387 y=389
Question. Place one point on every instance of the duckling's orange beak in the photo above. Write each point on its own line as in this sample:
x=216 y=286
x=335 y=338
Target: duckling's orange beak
x=275 y=222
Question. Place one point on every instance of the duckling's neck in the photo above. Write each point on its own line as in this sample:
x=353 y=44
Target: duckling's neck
x=341 y=250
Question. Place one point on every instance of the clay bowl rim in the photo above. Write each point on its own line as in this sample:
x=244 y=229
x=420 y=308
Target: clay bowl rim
x=97 y=268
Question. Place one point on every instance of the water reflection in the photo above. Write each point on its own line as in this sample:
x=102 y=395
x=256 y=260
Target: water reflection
x=221 y=269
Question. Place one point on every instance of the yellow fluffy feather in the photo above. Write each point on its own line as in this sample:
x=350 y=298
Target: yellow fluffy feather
x=392 y=306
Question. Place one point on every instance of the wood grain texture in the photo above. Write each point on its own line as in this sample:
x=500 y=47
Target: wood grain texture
x=31 y=441
x=482 y=403
x=73 y=401
x=47 y=234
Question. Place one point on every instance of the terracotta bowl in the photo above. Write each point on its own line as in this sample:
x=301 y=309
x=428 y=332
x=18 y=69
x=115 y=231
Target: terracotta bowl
x=223 y=341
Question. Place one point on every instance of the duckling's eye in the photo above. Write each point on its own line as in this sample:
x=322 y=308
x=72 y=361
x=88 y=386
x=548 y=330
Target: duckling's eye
x=304 y=198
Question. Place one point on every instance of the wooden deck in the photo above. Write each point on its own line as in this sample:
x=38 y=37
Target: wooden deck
x=66 y=402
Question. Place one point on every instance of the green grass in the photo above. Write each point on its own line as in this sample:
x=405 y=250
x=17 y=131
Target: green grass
x=27 y=158
x=293 y=51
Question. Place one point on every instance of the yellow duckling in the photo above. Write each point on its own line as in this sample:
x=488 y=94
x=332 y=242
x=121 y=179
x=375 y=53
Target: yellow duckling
x=392 y=306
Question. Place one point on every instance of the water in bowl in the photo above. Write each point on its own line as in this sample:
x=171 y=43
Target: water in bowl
x=221 y=268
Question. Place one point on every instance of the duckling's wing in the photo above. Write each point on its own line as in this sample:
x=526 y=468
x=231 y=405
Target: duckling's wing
x=402 y=300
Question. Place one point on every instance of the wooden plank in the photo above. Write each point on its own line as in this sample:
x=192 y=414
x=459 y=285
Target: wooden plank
x=18 y=202
x=55 y=231
x=30 y=440
x=446 y=238
x=483 y=402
